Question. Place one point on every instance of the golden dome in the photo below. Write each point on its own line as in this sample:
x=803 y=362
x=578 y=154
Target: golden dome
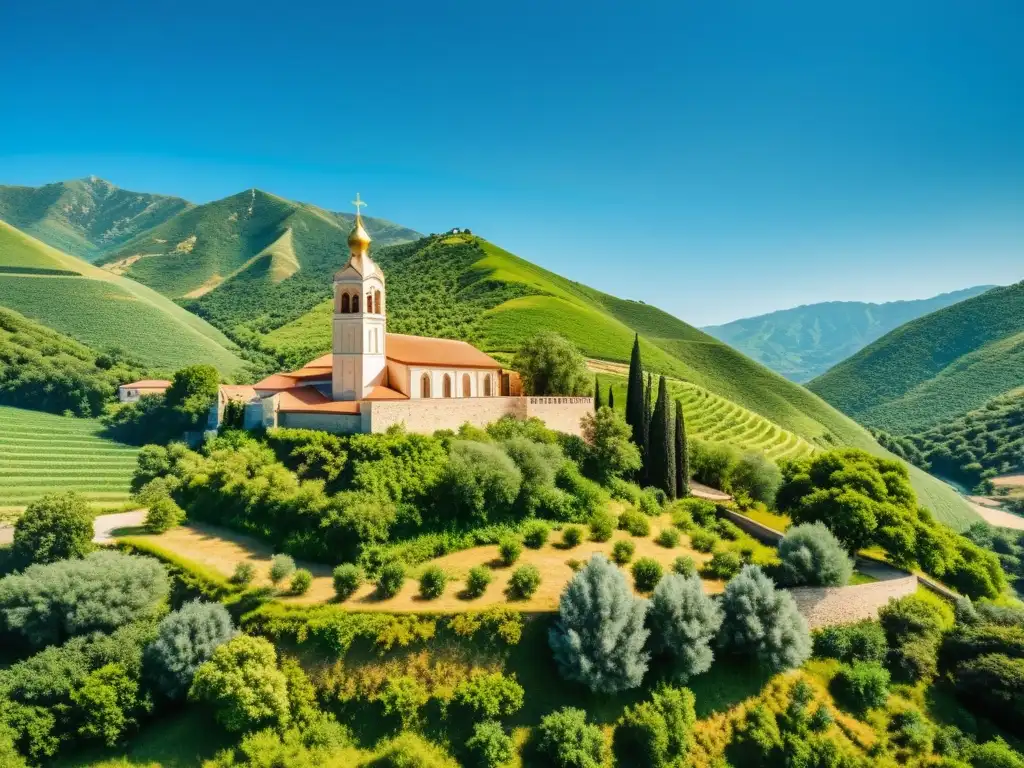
x=358 y=239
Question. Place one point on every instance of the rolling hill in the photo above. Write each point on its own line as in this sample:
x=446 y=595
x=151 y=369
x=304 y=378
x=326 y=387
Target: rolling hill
x=102 y=310
x=460 y=286
x=85 y=217
x=247 y=263
x=804 y=342
x=935 y=368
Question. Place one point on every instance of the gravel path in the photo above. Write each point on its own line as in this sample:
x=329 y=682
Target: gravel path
x=103 y=526
x=998 y=517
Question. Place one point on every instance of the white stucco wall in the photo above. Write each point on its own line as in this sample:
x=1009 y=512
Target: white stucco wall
x=476 y=381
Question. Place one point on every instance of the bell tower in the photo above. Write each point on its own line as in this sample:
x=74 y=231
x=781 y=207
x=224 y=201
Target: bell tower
x=358 y=324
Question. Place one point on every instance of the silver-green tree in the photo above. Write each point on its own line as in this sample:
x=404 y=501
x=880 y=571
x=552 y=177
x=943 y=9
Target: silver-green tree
x=684 y=623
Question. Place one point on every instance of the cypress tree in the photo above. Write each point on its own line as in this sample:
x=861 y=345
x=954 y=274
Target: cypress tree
x=611 y=397
x=660 y=473
x=682 y=454
x=635 y=396
x=597 y=394
x=646 y=449
x=670 y=442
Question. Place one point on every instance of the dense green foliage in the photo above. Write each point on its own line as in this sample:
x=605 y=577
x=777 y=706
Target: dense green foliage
x=600 y=635
x=347 y=578
x=523 y=582
x=551 y=365
x=613 y=454
x=656 y=732
x=763 y=622
x=47 y=371
x=185 y=639
x=862 y=685
x=46 y=604
x=647 y=572
x=182 y=408
x=567 y=740
x=684 y=623
x=867 y=501
x=804 y=342
x=56 y=527
x=810 y=555
x=935 y=368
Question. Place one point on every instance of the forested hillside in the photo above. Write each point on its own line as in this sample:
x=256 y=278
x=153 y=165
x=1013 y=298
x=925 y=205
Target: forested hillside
x=248 y=263
x=804 y=342
x=982 y=443
x=85 y=217
x=462 y=286
x=934 y=368
x=104 y=311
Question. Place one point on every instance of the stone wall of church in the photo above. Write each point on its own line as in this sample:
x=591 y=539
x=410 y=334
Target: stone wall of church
x=561 y=413
x=427 y=416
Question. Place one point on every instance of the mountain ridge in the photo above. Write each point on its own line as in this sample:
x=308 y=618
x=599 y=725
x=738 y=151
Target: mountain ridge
x=803 y=342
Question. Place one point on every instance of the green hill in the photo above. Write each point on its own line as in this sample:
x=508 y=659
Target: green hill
x=934 y=368
x=464 y=287
x=102 y=310
x=804 y=342
x=42 y=453
x=247 y=263
x=85 y=217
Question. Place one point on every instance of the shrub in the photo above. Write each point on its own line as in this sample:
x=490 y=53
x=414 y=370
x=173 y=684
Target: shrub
x=684 y=566
x=650 y=501
x=913 y=616
x=390 y=580
x=433 y=580
x=509 y=549
x=163 y=515
x=104 y=701
x=994 y=683
x=611 y=452
x=668 y=538
x=996 y=754
x=602 y=526
x=763 y=622
x=489 y=695
x=550 y=364
x=657 y=732
x=812 y=556
x=281 y=567
x=684 y=621
x=862 y=685
x=243 y=684
x=863 y=641
x=574 y=564
x=647 y=573
x=302 y=580
x=478 y=579
x=403 y=696
x=481 y=481
x=489 y=745
x=567 y=740
x=46 y=604
x=636 y=523
x=185 y=639
x=524 y=582
x=535 y=534
x=410 y=750
x=758 y=476
x=56 y=527
x=723 y=565
x=700 y=511
x=622 y=551
x=244 y=574
x=911 y=731
x=913 y=660
x=599 y=638
x=727 y=529
x=572 y=536
x=347 y=579
x=821 y=718
x=703 y=541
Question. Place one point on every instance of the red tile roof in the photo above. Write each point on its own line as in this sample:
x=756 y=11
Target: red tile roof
x=441 y=353
x=277 y=381
x=242 y=392
x=310 y=400
x=149 y=384
x=385 y=393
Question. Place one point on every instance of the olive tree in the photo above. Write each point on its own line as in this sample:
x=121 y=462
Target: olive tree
x=684 y=622
x=600 y=635
x=550 y=364
x=185 y=639
x=812 y=556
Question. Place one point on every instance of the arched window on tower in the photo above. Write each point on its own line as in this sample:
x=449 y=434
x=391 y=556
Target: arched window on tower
x=345 y=304
x=466 y=386
x=377 y=303
x=447 y=385
x=369 y=303
x=425 y=385
x=487 y=385
x=355 y=304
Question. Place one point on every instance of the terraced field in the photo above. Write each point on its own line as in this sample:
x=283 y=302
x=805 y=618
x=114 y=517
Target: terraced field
x=716 y=419
x=40 y=452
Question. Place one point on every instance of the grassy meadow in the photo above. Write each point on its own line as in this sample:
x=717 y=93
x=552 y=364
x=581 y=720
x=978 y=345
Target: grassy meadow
x=41 y=453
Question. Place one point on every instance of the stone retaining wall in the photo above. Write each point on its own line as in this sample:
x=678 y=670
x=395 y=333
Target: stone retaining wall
x=825 y=606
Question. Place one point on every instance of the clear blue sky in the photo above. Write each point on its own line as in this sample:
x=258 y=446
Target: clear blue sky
x=718 y=159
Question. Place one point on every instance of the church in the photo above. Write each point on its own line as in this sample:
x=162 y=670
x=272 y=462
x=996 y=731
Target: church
x=372 y=379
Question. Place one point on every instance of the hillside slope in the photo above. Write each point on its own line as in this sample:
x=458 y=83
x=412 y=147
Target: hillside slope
x=85 y=217
x=103 y=310
x=459 y=286
x=247 y=263
x=934 y=368
x=804 y=342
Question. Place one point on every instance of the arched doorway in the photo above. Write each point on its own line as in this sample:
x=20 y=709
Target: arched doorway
x=447 y=385
x=467 y=389
x=425 y=385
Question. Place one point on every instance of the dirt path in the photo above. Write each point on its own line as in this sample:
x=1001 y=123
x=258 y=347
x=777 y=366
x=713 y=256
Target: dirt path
x=103 y=526
x=998 y=517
